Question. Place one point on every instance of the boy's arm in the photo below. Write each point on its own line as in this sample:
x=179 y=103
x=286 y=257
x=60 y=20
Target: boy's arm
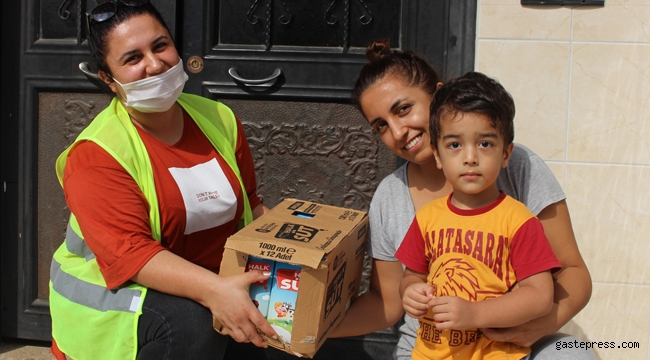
x=415 y=293
x=532 y=299
x=572 y=283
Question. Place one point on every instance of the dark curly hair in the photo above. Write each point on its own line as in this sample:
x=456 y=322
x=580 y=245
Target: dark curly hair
x=474 y=93
x=412 y=68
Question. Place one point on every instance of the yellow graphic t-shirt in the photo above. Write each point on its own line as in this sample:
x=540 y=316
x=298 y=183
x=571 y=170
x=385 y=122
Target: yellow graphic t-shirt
x=476 y=255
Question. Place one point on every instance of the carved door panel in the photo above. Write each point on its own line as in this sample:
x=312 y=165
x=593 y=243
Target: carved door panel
x=307 y=140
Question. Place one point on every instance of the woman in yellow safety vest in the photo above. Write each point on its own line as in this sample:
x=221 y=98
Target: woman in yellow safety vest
x=155 y=185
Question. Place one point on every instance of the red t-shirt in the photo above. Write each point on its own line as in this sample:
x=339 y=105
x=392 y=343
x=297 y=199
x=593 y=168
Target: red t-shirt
x=200 y=202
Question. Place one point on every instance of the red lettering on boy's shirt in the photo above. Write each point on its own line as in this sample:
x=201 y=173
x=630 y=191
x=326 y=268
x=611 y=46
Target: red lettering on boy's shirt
x=455 y=337
x=449 y=234
x=431 y=334
x=458 y=244
x=489 y=246
x=469 y=238
x=425 y=331
x=497 y=269
x=472 y=336
x=437 y=336
x=489 y=252
x=478 y=247
x=441 y=236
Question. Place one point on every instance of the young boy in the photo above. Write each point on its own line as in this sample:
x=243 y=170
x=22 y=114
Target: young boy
x=465 y=253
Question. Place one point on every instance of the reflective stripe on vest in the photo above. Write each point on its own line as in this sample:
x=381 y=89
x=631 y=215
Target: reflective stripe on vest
x=91 y=295
x=76 y=245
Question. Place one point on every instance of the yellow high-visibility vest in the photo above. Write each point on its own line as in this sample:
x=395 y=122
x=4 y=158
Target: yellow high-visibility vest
x=90 y=321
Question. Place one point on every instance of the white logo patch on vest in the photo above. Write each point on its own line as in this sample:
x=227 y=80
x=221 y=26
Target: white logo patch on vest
x=209 y=198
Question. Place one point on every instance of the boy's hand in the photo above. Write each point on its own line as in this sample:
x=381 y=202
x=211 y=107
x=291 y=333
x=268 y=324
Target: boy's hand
x=416 y=298
x=451 y=312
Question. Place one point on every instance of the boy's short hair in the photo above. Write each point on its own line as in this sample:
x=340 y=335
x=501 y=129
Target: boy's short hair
x=474 y=93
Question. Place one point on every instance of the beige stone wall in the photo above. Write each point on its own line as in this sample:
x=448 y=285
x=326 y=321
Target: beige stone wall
x=580 y=77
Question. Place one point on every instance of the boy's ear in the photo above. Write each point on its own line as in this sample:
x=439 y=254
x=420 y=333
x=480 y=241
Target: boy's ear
x=438 y=85
x=507 y=152
x=437 y=156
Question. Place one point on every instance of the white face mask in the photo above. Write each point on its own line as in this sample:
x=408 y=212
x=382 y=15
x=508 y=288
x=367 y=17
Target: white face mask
x=157 y=93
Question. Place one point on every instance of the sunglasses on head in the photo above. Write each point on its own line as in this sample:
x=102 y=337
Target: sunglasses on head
x=107 y=9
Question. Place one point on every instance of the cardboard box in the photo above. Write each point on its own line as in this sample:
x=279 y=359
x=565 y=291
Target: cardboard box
x=328 y=242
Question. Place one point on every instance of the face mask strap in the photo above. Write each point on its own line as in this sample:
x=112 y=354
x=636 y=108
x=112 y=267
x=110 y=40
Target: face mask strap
x=115 y=81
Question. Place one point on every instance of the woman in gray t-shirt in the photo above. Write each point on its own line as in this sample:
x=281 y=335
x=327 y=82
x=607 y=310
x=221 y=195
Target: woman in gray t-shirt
x=394 y=92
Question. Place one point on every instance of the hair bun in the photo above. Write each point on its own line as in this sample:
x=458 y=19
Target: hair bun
x=378 y=50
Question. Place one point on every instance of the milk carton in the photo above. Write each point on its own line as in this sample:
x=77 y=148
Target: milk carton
x=260 y=292
x=283 y=299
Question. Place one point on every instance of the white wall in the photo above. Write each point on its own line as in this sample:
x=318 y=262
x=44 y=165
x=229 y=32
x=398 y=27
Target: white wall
x=580 y=77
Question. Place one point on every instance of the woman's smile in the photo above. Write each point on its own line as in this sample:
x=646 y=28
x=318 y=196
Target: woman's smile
x=413 y=142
